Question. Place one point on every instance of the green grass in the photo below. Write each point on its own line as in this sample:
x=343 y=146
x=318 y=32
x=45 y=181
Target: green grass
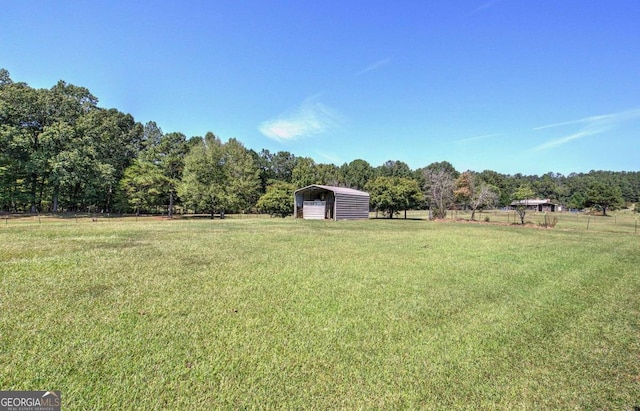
x=271 y=313
x=624 y=222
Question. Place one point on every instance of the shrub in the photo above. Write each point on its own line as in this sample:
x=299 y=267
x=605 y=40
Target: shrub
x=549 y=221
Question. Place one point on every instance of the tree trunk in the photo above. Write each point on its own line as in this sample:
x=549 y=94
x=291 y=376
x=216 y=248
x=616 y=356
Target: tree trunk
x=34 y=189
x=107 y=207
x=55 y=200
x=170 y=212
x=40 y=194
x=473 y=214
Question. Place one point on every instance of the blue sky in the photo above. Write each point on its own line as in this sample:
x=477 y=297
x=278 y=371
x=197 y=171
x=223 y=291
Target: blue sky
x=507 y=85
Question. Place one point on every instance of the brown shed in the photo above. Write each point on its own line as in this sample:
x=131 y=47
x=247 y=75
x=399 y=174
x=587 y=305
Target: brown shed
x=319 y=202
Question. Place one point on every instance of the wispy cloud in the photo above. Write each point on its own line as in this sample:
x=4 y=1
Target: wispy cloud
x=484 y=6
x=331 y=157
x=374 y=66
x=482 y=137
x=310 y=118
x=571 y=137
x=589 y=126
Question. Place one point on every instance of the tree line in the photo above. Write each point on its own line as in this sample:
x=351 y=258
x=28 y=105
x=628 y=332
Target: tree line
x=61 y=152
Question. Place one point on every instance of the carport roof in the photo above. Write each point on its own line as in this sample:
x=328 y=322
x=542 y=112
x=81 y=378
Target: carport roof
x=336 y=190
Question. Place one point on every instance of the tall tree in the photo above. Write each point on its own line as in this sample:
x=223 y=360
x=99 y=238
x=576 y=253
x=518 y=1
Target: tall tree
x=113 y=141
x=439 y=187
x=142 y=185
x=243 y=176
x=305 y=172
x=329 y=174
x=40 y=132
x=23 y=112
x=604 y=195
x=357 y=173
x=204 y=179
x=473 y=193
x=393 y=194
x=444 y=166
x=167 y=153
x=395 y=168
x=5 y=77
x=67 y=147
x=173 y=149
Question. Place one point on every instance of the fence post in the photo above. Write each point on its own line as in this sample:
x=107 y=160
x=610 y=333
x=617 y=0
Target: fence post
x=588 y=219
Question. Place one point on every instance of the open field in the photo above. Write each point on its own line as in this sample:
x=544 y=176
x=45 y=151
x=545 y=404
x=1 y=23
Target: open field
x=623 y=222
x=616 y=222
x=273 y=313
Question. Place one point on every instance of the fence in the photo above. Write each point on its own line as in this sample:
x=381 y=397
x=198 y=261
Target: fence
x=65 y=219
x=619 y=222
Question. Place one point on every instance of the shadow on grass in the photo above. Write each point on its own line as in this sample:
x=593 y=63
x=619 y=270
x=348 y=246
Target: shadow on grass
x=398 y=219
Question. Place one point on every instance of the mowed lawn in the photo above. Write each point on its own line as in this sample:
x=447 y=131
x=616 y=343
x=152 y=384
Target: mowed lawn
x=293 y=314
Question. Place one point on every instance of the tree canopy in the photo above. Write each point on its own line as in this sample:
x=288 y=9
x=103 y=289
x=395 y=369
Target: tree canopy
x=60 y=151
x=393 y=194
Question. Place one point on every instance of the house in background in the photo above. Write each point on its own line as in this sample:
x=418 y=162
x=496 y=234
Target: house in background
x=537 y=204
x=319 y=202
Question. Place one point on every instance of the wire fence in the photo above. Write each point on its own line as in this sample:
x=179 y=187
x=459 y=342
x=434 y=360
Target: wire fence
x=106 y=218
x=620 y=222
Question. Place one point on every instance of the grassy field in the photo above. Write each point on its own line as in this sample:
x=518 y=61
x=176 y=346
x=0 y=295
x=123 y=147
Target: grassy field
x=293 y=314
x=625 y=222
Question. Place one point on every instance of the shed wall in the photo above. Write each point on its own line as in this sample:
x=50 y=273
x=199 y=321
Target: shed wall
x=350 y=207
x=313 y=210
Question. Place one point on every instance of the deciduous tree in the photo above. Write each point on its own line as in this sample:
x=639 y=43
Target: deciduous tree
x=520 y=196
x=357 y=173
x=142 y=185
x=278 y=200
x=243 y=176
x=393 y=194
x=473 y=193
x=304 y=173
x=439 y=187
x=204 y=181
x=395 y=168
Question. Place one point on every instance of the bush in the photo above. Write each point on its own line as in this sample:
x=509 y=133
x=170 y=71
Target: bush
x=277 y=201
x=549 y=221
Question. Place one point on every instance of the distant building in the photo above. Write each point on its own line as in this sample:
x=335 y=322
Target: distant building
x=318 y=202
x=538 y=205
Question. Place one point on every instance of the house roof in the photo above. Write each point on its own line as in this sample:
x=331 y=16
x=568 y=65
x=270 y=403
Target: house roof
x=533 y=202
x=336 y=190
